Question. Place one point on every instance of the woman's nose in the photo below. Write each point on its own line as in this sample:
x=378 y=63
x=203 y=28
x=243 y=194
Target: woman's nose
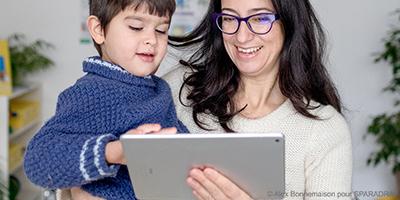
x=244 y=34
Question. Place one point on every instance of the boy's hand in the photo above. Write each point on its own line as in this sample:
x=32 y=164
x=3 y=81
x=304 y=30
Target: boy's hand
x=152 y=129
x=114 y=150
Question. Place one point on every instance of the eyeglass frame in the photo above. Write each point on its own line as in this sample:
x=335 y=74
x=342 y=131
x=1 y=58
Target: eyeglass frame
x=216 y=15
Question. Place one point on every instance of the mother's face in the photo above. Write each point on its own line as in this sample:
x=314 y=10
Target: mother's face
x=254 y=55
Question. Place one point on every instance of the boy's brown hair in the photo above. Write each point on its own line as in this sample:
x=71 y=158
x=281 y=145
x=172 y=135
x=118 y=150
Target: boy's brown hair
x=106 y=10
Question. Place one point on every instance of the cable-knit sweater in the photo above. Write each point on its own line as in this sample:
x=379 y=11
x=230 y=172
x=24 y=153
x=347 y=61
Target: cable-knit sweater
x=318 y=158
x=69 y=150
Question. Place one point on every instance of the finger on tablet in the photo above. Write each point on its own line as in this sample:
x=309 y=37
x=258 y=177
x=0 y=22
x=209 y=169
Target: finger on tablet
x=228 y=188
x=145 y=129
x=167 y=131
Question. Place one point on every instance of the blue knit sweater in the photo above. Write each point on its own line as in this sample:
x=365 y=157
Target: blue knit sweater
x=69 y=150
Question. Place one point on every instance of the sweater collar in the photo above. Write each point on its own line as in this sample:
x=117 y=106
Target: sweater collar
x=112 y=71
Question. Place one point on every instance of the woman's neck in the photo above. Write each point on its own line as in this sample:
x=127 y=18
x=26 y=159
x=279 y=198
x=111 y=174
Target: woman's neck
x=262 y=96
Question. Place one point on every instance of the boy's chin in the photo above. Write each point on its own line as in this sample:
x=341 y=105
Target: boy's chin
x=145 y=73
x=154 y=71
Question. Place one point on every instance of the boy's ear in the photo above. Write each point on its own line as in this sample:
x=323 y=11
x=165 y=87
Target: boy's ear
x=95 y=29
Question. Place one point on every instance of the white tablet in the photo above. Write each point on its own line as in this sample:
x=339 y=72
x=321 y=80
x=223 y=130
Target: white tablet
x=159 y=164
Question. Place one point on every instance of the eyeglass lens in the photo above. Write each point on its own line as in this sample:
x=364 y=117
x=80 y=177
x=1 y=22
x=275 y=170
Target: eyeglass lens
x=259 y=24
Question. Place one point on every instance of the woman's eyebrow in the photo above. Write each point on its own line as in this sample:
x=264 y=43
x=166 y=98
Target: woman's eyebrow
x=230 y=10
x=261 y=9
x=250 y=11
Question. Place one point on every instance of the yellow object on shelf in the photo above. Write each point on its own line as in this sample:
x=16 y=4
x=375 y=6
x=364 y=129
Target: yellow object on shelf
x=16 y=153
x=23 y=112
x=5 y=69
x=389 y=198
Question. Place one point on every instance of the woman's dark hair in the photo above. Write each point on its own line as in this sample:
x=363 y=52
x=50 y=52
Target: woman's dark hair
x=215 y=78
x=106 y=10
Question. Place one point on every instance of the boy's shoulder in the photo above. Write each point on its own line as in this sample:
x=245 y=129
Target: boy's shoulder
x=91 y=86
x=95 y=82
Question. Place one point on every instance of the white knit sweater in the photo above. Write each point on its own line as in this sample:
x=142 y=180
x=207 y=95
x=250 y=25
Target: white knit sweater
x=318 y=154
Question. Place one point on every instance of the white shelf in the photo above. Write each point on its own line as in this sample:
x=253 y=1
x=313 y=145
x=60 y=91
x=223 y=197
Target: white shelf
x=16 y=169
x=21 y=136
x=20 y=91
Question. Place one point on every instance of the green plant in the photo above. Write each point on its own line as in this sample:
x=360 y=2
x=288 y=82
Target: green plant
x=3 y=188
x=27 y=58
x=12 y=190
x=386 y=127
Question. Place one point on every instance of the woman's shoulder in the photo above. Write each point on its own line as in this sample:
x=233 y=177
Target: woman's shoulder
x=175 y=79
x=326 y=113
x=176 y=76
x=330 y=125
x=323 y=113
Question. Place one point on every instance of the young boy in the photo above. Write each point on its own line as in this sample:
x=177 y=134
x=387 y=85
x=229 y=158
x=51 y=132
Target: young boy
x=79 y=145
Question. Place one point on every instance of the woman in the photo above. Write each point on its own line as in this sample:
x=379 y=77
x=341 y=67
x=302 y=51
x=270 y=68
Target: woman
x=258 y=67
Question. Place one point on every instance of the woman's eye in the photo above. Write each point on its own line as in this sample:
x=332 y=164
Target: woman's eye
x=228 y=19
x=262 y=19
x=136 y=28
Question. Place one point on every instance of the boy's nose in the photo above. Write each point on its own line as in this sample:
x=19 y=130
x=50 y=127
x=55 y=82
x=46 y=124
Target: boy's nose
x=150 y=39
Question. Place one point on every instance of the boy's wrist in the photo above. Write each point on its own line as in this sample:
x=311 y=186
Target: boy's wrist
x=114 y=152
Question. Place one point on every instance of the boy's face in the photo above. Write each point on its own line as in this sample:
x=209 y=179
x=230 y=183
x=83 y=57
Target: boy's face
x=136 y=41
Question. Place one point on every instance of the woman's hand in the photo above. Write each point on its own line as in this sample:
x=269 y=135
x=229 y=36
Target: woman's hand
x=114 y=151
x=209 y=184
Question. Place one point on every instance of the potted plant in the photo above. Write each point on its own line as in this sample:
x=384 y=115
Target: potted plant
x=27 y=58
x=386 y=127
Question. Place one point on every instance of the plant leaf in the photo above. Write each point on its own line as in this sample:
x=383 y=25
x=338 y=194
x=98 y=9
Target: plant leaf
x=27 y=58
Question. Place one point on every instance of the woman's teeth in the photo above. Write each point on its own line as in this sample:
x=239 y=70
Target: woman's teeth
x=249 y=50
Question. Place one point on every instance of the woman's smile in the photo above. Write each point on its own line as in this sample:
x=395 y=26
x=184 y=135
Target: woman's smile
x=247 y=53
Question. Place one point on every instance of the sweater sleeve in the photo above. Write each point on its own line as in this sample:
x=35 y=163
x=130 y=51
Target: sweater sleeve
x=67 y=151
x=328 y=164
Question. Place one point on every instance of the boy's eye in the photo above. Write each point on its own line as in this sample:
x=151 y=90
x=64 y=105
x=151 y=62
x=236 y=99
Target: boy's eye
x=136 y=28
x=161 y=31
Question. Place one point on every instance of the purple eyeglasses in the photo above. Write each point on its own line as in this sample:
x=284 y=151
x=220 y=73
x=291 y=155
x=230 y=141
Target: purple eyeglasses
x=260 y=23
